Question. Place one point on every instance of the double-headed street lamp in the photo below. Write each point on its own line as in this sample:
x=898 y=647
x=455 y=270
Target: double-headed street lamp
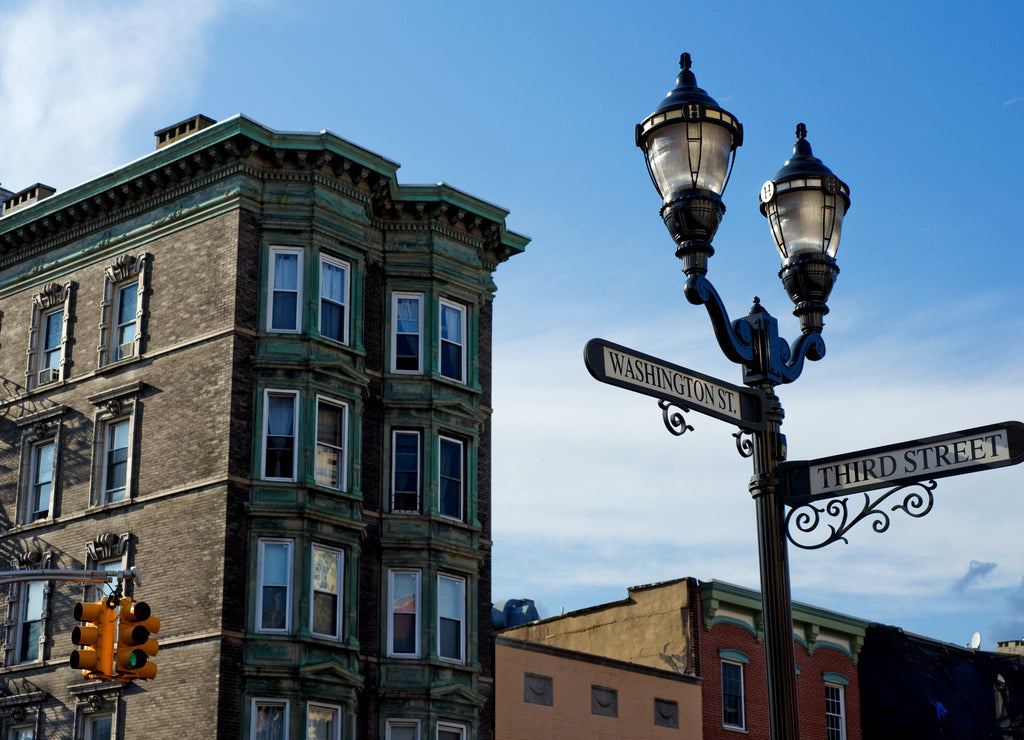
x=690 y=143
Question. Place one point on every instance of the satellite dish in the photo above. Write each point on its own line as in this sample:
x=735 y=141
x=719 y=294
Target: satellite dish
x=975 y=641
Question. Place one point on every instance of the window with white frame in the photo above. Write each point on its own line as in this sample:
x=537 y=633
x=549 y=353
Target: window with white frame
x=116 y=447
x=405 y=470
x=453 y=341
x=280 y=420
x=274 y=586
x=284 y=309
x=403 y=729
x=331 y=428
x=121 y=322
x=39 y=504
x=451 y=618
x=732 y=695
x=326 y=592
x=450 y=731
x=835 y=712
x=334 y=301
x=22 y=732
x=30 y=624
x=99 y=726
x=451 y=479
x=48 y=335
x=403 y=613
x=269 y=719
x=323 y=722
x=407 y=333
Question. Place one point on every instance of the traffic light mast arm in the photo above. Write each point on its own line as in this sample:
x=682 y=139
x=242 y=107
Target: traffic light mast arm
x=79 y=576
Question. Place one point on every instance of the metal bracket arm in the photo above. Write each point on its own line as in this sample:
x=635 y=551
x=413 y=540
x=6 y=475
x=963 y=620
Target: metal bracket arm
x=736 y=338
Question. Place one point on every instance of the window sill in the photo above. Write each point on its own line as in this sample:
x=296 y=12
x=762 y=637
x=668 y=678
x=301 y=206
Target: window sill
x=118 y=364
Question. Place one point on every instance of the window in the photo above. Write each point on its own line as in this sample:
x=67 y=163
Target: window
x=835 y=712
x=328 y=577
x=453 y=341
x=31 y=623
x=121 y=325
x=405 y=471
x=450 y=478
x=126 y=327
x=538 y=689
x=666 y=713
x=115 y=460
x=330 y=443
x=279 y=422
x=51 y=347
x=451 y=620
x=48 y=335
x=604 y=701
x=40 y=494
x=99 y=727
x=22 y=733
x=323 y=722
x=446 y=731
x=404 y=613
x=732 y=695
x=285 y=282
x=273 y=592
x=333 y=299
x=269 y=720
x=407 y=333
x=403 y=729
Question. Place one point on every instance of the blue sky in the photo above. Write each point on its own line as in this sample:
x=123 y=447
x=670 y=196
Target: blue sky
x=531 y=105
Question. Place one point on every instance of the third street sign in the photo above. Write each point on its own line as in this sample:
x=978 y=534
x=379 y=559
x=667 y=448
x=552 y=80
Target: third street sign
x=992 y=446
x=635 y=371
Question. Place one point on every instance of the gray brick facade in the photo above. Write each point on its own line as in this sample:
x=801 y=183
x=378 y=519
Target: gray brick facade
x=212 y=386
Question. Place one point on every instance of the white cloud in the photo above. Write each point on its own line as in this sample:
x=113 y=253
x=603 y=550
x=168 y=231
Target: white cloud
x=76 y=75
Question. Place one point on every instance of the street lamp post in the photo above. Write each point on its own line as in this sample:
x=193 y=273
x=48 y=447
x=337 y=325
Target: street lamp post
x=689 y=143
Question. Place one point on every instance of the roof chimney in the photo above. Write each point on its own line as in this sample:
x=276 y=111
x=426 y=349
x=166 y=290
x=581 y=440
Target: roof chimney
x=28 y=196
x=179 y=131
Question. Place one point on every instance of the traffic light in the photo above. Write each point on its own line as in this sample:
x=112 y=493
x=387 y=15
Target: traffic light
x=135 y=647
x=96 y=658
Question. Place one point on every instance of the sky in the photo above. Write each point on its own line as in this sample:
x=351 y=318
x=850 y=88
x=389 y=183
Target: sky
x=530 y=105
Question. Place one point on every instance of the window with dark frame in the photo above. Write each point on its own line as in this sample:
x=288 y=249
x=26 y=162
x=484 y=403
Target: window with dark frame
x=732 y=695
x=405 y=471
x=451 y=479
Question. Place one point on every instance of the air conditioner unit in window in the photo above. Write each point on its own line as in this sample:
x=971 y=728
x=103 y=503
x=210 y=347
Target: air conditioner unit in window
x=126 y=350
x=49 y=375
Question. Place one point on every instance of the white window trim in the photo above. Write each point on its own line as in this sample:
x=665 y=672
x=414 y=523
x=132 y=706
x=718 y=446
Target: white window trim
x=392 y=572
x=90 y=718
x=340 y=595
x=394 y=332
x=289 y=588
x=300 y=252
x=29 y=506
x=332 y=707
x=463 y=314
x=53 y=297
x=399 y=722
x=462 y=478
x=842 y=708
x=342 y=451
x=127 y=270
x=743 y=699
x=461 y=581
x=269 y=701
x=105 y=448
x=451 y=727
x=267 y=393
x=419 y=469
x=44 y=588
x=325 y=259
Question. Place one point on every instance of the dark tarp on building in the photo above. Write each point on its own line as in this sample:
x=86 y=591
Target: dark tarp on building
x=913 y=688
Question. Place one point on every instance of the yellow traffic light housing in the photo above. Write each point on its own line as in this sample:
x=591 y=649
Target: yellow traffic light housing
x=135 y=647
x=96 y=658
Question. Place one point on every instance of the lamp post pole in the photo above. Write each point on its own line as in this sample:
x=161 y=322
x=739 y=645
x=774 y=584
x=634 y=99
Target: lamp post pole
x=689 y=143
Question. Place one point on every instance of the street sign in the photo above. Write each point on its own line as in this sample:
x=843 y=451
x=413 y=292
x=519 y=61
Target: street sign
x=981 y=448
x=640 y=373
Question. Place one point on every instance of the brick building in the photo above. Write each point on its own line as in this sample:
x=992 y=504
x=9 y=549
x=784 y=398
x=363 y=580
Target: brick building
x=713 y=631
x=255 y=367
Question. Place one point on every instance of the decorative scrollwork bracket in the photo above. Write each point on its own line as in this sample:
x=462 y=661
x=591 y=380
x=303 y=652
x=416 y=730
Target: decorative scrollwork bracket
x=744 y=443
x=835 y=518
x=674 y=420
